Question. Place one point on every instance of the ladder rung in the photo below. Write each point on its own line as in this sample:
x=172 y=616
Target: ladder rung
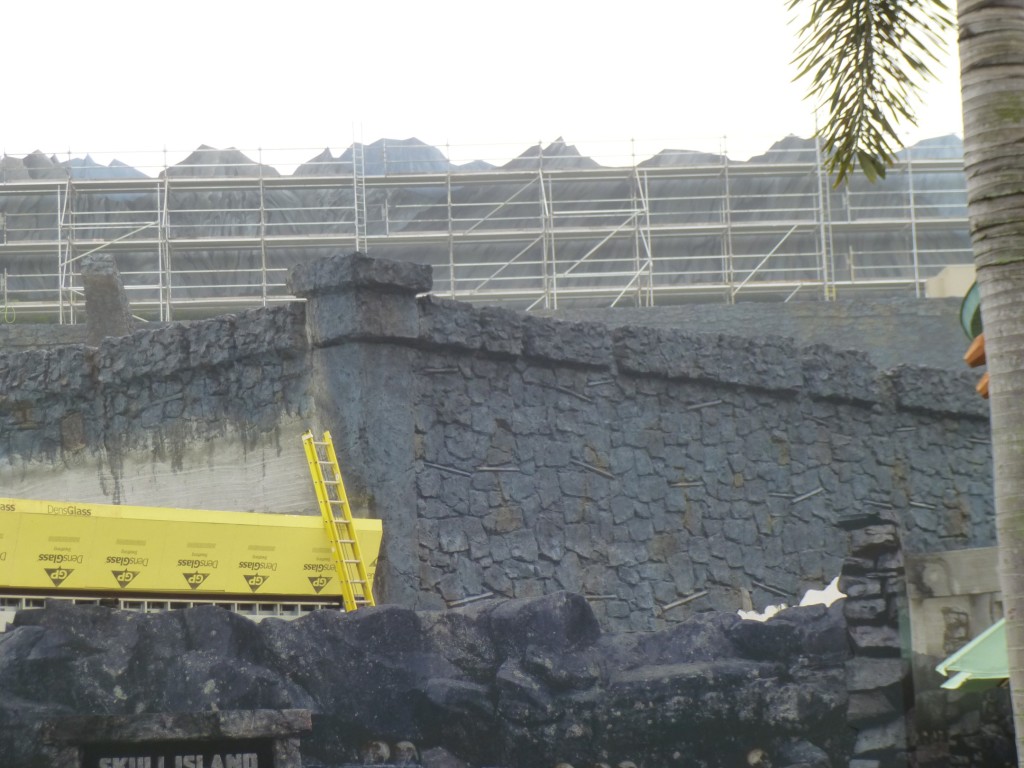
x=336 y=511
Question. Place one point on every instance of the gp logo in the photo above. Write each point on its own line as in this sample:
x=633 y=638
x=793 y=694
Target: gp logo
x=319 y=582
x=255 y=580
x=124 y=578
x=195 y=580
x=58 y=575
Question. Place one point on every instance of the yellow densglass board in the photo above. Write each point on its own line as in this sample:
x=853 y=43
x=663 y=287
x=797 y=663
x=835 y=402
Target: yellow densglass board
x=57 y=546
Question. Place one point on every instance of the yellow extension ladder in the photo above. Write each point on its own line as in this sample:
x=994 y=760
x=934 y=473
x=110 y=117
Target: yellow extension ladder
x=337 y=517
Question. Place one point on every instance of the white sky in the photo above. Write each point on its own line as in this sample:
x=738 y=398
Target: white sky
x=486 y=79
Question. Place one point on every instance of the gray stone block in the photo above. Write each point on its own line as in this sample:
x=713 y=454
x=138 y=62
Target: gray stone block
x=880 y=739
x=769 y=363
x=360 y=314
x=939 y=391
x=334 y=274
x=586 y=344
x=839 y=374
x=878 y=641
x=868 y=674
x=870 y=707
x=873 y=539
x=449 y=323
x=859 y=610
x=501 y=331
x=859 y=586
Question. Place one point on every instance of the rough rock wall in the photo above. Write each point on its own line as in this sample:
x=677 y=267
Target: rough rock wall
x=655 y=472
x=517 y=683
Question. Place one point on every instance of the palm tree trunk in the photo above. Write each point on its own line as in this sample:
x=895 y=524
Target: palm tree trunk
x=992 y=80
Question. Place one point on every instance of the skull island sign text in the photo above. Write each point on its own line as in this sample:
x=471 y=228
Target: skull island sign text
x=248 y=753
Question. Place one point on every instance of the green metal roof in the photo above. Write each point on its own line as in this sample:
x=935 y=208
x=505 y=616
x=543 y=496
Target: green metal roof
x=982 y=663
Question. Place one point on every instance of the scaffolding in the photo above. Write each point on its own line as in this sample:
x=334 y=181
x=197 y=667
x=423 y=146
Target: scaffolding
x=546 y=230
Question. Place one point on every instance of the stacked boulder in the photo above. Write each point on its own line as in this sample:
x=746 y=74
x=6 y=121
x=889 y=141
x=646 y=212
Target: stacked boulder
x=878 y=674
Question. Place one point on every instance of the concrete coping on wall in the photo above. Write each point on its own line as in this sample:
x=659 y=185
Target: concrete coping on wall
x=337 y=274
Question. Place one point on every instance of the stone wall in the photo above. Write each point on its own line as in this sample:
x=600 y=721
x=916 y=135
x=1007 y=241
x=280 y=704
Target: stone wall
x=656 y=472
x=653 y=471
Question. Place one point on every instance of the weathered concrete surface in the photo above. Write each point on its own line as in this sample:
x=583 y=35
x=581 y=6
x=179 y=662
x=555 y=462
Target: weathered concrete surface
x=235 y=470
x=205 y=415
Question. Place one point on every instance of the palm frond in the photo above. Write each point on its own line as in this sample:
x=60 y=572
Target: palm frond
x=866 y=61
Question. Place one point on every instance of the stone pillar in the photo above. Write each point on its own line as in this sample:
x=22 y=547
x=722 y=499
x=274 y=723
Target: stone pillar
x=878 y=675
x=362 y=322
x=107 y=312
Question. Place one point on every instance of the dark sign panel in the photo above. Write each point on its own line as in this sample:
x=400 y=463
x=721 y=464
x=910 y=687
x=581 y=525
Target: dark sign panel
x=224 y=753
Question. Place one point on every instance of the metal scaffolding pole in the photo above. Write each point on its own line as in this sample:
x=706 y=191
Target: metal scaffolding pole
x=824 y=217
x=642 y=255
x=729 y=267
x=451 y=232
x=65 y=252
x=550 y=287
x=166 y=272
x=647 y=296
x=359 y=195
x=263 y=238
x=913 y=226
